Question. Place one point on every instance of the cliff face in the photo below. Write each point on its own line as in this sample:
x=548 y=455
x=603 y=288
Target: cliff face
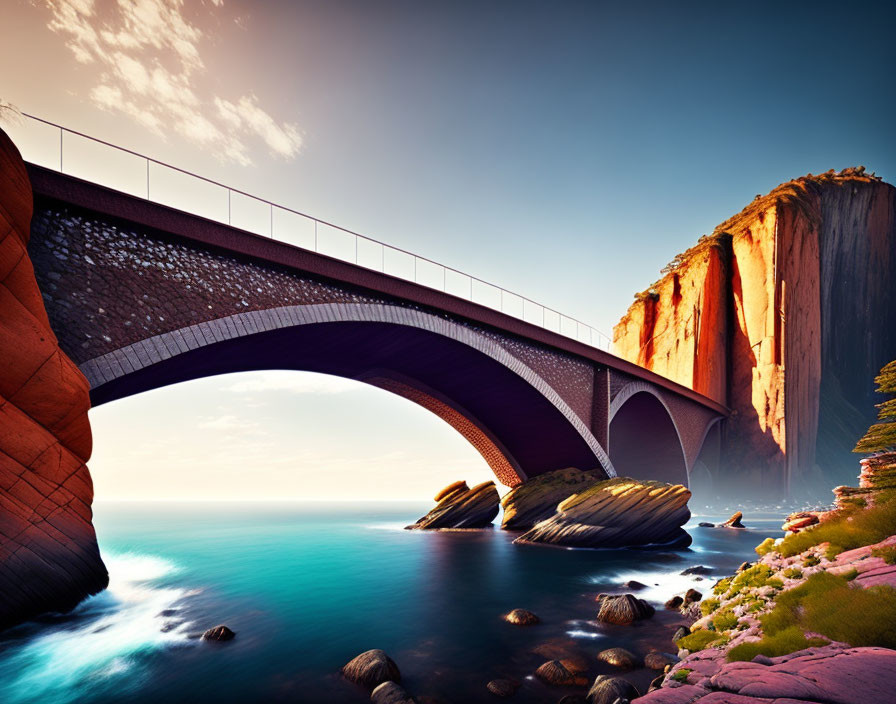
x=49 y=559
x=783 y=314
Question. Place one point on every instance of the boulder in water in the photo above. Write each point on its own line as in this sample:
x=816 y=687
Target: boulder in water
x=390 y=693
x=536 y=499
x=606 y=690
x=371 y=668
x=623 y=609
x=697 y=569
x=618 y=657
x=458 y=506
x=616 y=513
x=218 y=633
x=521 y=617
x=674 y=603
x=734 y=522
x=556 y=673
x=692 y=596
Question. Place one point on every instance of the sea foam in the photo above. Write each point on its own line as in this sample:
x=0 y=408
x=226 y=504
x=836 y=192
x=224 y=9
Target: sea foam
x=99 y=644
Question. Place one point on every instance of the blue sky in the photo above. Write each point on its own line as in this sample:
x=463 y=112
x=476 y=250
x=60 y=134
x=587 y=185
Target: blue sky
x=566 y=150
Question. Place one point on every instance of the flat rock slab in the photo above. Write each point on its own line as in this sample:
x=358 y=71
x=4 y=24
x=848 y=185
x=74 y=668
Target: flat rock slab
x=832 y=674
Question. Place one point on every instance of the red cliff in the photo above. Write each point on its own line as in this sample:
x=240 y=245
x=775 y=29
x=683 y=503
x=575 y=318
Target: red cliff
x=783 y=314
x=50 y=560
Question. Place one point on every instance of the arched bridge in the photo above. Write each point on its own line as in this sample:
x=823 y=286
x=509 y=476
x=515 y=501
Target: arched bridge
x=141 y=295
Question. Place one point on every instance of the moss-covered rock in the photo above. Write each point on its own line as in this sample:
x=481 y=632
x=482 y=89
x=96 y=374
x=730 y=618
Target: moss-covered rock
x=537 y=499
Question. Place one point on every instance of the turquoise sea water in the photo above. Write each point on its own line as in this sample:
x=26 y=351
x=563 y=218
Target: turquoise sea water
x=308 y=586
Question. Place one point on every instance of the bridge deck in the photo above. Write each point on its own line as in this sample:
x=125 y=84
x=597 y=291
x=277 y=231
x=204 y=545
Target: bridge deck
x=56 y=186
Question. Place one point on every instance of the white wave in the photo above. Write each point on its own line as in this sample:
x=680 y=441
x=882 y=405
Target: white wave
x=387 y=526
x=104 y=639
x=660 y=586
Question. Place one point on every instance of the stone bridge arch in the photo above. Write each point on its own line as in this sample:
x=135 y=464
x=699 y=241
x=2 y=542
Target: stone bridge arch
x=463 y=376
x=654 y=436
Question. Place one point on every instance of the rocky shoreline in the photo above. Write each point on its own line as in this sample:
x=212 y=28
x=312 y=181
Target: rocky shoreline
x=718 y=647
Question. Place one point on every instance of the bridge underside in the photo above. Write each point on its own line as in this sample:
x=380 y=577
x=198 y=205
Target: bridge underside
x=518 y=431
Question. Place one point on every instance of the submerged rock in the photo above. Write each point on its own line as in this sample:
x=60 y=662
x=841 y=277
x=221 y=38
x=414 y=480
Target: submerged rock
x=371 y=668
x=634 y=585
x=697 y=569
x=503 y=687
x=618 y=657
x=218 y=633
x=734 y=522
x=623 y=609
x=706 y=524
x=390 y=693
x=606 y=690
x=570 y=655
x=536 y=499
x=461 y=507
x=618 y=512
x=521 y=617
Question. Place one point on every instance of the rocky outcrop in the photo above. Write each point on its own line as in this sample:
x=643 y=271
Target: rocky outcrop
x=49 y=560
x=619 y=512
x=756 y=314
x=458 y=506
x=536 y=499
x=736 y=521
x=832 y=674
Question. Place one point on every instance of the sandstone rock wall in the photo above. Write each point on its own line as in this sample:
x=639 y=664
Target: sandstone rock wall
x=783 y=314
x=49 y=558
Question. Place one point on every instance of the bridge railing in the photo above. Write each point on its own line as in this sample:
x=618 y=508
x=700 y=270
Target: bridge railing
x=67 y=151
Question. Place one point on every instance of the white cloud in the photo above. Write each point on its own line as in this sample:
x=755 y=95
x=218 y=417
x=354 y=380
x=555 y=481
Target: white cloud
x=294 y=383
x=150 y=68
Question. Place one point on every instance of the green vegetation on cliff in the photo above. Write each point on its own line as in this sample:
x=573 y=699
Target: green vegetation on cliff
x=828 y=605
x=852 y=528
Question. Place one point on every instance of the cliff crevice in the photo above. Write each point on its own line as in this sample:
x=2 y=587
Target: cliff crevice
x=782 y=313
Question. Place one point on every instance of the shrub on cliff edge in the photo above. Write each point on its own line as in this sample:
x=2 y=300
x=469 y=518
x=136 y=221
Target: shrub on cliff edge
x=852 y=528
x=826 y=604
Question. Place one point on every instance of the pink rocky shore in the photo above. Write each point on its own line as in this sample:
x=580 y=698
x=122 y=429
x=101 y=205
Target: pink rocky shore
x=834 y=673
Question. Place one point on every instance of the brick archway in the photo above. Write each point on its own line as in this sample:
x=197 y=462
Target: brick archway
x=375 y=344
